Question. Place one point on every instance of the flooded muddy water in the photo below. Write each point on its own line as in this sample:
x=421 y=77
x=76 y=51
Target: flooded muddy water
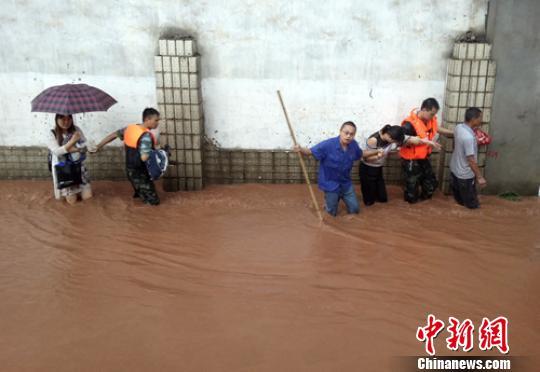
x=245 y=278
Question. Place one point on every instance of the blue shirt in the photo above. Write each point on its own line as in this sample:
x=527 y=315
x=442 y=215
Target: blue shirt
x=335 y=164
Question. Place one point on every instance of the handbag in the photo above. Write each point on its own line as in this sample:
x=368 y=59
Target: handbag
x=68 y=174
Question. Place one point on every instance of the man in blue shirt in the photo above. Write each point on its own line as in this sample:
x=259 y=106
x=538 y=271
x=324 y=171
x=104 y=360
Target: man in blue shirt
x=336 y=157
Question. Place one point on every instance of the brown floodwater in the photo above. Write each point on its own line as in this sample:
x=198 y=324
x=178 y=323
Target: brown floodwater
x=245 y=278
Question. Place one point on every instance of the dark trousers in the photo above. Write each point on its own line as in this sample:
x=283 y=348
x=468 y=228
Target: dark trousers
x=372 y=184
x=464 y=191
x=420 y=181
x=143 y=186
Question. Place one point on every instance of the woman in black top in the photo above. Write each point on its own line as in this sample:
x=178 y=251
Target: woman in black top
x=386 y=140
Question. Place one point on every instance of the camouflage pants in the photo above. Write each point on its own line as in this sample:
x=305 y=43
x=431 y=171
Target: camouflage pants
x=143 y=186
x=420 y=181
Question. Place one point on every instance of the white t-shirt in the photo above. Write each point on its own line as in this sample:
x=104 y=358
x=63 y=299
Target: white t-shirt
x=465 y=145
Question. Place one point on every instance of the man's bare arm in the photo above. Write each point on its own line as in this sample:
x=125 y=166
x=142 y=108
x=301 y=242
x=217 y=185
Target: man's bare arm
x=476 y=170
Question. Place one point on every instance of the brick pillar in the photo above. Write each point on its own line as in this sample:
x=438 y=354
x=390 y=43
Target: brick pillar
x=179 y=98
x=470 y=82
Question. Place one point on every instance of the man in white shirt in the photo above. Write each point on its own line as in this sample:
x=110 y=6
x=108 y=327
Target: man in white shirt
x=464 y=163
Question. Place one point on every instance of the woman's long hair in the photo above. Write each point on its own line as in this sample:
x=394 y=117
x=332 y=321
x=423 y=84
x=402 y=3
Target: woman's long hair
x=58 y=131
x=395 y=132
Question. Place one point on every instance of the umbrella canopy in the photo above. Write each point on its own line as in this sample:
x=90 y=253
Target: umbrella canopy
x=70 y=99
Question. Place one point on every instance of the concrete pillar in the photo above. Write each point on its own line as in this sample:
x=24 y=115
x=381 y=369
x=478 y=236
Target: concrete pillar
x=179 y=98
x=470 y=82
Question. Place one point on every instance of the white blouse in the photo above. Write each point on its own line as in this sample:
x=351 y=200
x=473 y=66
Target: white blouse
x=58 y=155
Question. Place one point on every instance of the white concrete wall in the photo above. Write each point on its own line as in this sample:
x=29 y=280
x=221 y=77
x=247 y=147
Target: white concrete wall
x=366 y=61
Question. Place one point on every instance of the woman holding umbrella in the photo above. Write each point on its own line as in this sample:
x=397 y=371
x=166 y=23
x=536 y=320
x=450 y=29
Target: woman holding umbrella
x=66 y=142
x=67 y=145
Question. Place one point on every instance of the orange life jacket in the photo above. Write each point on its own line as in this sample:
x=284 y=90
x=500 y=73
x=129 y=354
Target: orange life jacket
x=423 y=130
x=133 y=133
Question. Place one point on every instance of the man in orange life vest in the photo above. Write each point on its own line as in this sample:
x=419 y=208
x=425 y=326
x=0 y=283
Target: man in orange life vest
x=138 y=142
x=415 y=158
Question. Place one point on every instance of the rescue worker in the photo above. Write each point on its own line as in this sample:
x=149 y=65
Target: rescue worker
x=139 y=143
x=420 y=181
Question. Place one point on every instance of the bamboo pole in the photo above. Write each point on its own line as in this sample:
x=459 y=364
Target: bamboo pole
x=300 y=158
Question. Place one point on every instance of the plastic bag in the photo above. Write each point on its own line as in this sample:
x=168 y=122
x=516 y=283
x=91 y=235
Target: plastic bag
x=482 y=137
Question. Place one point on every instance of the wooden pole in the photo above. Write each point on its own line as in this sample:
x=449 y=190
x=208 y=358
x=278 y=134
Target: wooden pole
x=300 y=158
